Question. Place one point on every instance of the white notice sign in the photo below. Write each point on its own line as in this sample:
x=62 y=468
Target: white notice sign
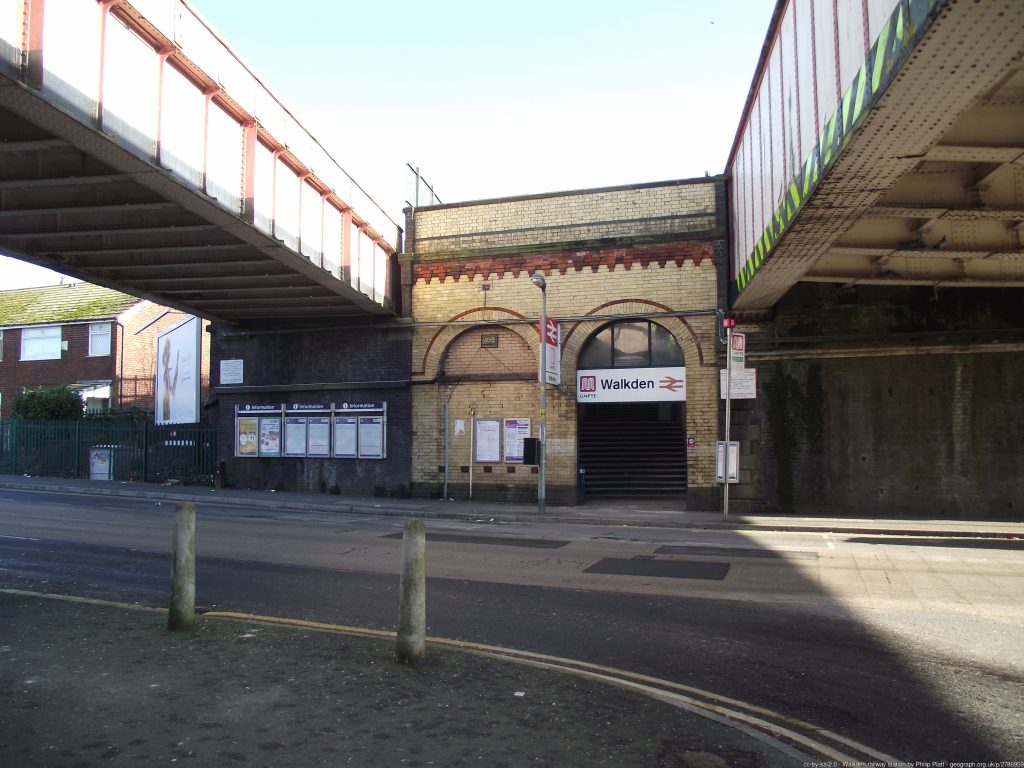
x=743 y=384
x=231 y=372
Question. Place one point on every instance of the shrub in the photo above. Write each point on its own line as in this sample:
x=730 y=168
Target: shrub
x=48 y=404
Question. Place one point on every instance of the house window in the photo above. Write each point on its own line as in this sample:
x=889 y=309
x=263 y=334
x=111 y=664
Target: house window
x=99 y=339
x=1 y=346
x=40 y=343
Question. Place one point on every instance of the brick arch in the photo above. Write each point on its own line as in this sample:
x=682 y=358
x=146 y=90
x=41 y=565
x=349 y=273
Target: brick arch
x=680 y=329
x=430 y=365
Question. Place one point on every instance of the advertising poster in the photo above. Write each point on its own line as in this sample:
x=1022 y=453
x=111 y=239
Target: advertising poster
x=345 y=437
x=178 y=374
x=318 y=436
x=487 y=441
x=515 y=431
x=295 y=436
x=270 y=436
x=246 y=442
x=371 y=437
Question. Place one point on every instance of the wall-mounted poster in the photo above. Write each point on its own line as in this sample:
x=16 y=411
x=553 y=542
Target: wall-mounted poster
x=371 y=437
x=270 y=436
x=345 y=437
x=487 y=441
x=246 y=440
x=318 y=436
x=515 y=431
x=295 y=436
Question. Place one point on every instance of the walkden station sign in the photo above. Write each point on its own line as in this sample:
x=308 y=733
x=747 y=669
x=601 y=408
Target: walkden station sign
x=631 y=385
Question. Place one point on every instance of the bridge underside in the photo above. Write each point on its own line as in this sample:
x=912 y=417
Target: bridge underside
x=930 y=190
x=75 y=201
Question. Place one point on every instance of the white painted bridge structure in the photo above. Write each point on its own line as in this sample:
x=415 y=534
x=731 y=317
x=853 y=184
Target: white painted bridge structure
x=138 y=152
x=882 y=143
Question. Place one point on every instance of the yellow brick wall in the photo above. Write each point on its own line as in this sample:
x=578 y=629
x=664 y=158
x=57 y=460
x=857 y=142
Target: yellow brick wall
x=648 y=209
x=619 y=292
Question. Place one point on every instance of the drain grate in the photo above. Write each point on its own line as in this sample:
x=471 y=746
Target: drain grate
x=669 y=569
x=499 y=541
x=671 y=549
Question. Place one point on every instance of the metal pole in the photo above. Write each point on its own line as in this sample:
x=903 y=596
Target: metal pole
x=446 y=447
x=728 y=419
x=542 y=442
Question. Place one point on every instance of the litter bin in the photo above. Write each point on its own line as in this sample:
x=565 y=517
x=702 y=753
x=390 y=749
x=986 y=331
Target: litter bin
x=581 y=486
x=101 y=465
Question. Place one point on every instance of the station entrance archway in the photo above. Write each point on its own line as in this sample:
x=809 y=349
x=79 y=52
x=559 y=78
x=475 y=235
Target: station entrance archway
x=632 y=449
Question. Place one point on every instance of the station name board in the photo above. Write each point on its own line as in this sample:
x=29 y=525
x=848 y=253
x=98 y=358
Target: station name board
x=631 y=385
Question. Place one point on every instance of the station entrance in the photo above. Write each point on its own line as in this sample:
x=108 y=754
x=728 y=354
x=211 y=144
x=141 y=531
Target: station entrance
x=632 y=450
x=631 y=412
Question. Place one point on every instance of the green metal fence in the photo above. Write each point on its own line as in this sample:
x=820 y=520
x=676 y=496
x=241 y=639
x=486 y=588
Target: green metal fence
x=114 y=450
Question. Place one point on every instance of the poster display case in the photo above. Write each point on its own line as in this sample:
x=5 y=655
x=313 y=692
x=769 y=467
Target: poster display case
x=311 y=430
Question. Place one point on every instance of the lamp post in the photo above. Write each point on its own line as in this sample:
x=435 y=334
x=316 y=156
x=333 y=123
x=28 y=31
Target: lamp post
x=537 y=278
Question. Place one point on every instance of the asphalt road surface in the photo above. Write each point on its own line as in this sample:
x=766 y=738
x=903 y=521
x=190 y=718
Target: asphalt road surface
x=927 y=668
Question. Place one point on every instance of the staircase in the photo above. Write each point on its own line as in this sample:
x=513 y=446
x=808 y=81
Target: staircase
x=632 y=458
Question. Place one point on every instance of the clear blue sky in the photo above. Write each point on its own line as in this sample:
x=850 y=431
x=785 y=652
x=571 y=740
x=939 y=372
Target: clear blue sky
x=492 y=99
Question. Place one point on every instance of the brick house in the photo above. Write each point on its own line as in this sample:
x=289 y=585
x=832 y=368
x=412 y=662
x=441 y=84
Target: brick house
x=96 y=340
x=634 y=276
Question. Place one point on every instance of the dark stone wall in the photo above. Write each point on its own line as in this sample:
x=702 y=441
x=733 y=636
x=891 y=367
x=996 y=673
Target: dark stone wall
x=887 y=403
x=356 y=363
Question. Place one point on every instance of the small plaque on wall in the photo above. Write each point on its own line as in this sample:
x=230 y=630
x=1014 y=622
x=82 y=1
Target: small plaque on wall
x=231 y=371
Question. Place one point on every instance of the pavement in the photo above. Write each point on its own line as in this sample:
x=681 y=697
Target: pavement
x=661 y=513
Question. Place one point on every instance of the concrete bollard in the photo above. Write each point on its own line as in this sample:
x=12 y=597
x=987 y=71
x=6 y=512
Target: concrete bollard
x=412 y=597
x=182 y=614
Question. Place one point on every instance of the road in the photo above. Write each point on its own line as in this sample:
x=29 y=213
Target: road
x=910 y=646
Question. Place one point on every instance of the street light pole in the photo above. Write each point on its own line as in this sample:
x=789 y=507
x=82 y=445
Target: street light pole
x=538 y=279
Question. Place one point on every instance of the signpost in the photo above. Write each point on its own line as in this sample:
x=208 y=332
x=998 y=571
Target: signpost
x=736 y=352
x=553 y=348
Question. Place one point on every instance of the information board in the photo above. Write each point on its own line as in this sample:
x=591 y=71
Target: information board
x=318 y=436
x=487 y=441
x=295 y=436
x=371 y=437
x=313 y=430
x=515 y=431
x=345 y=446
x=742 y=385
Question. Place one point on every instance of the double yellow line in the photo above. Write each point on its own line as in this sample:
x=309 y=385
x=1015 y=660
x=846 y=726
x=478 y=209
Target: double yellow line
x=798 y=739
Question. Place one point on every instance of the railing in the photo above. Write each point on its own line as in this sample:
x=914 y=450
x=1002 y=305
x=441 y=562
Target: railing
x=109 y=450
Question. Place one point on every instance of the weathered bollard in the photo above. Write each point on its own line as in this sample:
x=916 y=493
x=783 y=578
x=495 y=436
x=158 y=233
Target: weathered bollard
x=182 y=614
x=412 y=596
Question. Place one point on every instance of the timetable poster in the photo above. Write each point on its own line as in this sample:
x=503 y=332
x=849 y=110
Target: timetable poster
x=318 y=436
x=345 y=437
x=295 y=436
x=371 y=437
x=487 y=438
